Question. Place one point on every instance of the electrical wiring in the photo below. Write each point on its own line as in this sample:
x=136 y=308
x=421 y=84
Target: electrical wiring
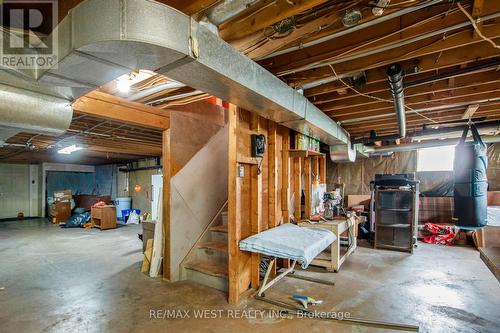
x=377 y=98
x=473 y=22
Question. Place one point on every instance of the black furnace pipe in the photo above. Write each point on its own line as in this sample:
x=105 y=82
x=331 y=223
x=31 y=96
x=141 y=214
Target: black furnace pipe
x=396 y=87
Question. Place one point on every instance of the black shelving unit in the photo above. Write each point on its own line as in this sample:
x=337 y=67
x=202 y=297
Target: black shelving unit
x=395 y=217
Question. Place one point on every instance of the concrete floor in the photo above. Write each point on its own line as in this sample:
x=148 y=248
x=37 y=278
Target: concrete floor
x=76 y=280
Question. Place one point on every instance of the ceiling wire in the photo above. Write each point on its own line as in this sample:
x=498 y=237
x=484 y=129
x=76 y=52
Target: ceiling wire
x=473 y=22
x=377 y=98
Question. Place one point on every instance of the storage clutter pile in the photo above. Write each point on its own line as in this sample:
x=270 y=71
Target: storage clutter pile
x=89 y=211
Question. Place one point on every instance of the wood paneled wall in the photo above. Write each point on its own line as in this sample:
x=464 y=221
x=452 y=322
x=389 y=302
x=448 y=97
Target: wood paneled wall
x=257 y=200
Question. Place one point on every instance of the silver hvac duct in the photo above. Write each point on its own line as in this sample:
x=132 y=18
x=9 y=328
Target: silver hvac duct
x=26 y=111
x=125 y=35
x=226 y=10
x=342 y=153
x=395 y=76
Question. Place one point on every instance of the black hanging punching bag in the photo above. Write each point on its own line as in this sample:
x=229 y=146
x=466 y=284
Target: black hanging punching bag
x=471 y=185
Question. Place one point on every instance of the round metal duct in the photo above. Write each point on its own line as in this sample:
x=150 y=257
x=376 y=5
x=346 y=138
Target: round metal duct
x=342 y=153
x=32 y=112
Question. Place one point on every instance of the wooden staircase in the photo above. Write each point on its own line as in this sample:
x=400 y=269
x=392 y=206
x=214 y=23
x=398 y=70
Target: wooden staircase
x=207 y=262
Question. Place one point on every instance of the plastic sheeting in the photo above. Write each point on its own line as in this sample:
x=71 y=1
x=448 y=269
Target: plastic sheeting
x=357 y=175
x=105 y=179
x=77 y=182
x=493 y=170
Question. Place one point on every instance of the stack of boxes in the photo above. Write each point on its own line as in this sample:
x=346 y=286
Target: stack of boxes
x=60 y=210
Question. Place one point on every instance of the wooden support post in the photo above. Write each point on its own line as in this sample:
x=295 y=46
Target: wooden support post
x=273 y=176
x=233 y=220
x=322 y=170
x=256 y=220
x=297 y=188
x=307 y=187
x=285 y=175
x=166 y=158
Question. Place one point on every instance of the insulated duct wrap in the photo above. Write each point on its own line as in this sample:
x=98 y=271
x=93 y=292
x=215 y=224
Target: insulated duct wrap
x=26 y=111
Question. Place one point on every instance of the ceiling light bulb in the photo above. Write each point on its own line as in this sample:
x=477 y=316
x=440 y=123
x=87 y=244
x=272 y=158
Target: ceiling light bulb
x=123 y=85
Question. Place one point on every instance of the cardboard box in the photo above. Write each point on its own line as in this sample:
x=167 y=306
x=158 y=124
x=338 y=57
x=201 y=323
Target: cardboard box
x=356 y=200
x=62 y=195
x=60 y=212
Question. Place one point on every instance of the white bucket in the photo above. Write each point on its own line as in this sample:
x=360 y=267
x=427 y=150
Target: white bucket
x=122 y=203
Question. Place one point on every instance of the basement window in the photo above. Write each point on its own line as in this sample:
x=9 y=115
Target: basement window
x=436 y=158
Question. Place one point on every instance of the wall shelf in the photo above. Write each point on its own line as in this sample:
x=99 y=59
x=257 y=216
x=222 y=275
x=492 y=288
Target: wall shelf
x=303 y=153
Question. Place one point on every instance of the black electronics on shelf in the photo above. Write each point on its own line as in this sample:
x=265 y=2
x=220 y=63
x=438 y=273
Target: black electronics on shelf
x=394 y=211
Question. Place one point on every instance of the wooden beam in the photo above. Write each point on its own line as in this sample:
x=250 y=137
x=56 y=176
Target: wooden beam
x=256 y=220
x=448 y=60
x=297 y=188
x=273 y=175
x=113 y=108
x=308 y=28
x=279 y=10
x=141 y=150
x=322 y=170
x=307 y=187
x=380 y=89
x=381 y=35
x=488 y=91
x=189 y=7
x=166 y=165
x=285 y=174
x=434 y=45
x=233 y=216
x=428 y=92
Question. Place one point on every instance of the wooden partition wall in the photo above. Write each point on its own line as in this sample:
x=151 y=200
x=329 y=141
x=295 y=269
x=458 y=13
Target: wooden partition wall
x=258 y=192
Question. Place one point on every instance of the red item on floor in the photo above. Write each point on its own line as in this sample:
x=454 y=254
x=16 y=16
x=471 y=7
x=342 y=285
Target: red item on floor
x=438 y=234
x=100 y=204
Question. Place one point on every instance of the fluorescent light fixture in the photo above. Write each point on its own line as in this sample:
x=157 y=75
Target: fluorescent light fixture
x=70 y=149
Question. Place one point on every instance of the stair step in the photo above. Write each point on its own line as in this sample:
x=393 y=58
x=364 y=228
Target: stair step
x=214 y=246
x=224 y=217
x=219 y=228
x=210 y=268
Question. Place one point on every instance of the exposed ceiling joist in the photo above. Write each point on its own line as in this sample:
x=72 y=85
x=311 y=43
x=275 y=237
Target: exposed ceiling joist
x=114 y=108
x=274 y=12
